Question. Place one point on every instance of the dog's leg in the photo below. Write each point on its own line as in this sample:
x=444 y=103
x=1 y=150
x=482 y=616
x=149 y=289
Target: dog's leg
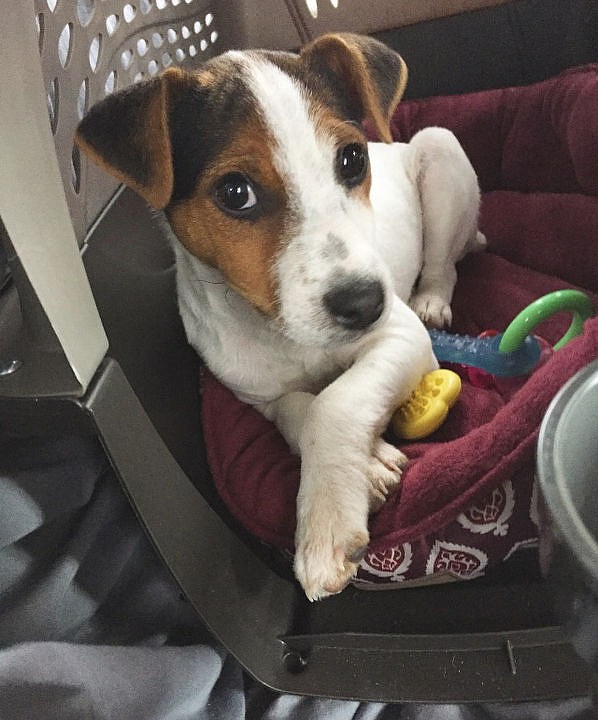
x=450 y=199
x=334 y=498
x=346 y=469
x=289 y=414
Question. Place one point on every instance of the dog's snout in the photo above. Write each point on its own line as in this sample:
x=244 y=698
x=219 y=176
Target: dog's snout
x=356 y=304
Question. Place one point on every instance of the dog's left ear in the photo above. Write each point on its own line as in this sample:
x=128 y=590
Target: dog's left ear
x=373 y=76
x=130 y=135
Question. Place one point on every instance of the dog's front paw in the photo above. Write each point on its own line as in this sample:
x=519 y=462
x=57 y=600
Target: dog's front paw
x=385 y=470
x=332 y=535
x=326 y=561
x=432 y=310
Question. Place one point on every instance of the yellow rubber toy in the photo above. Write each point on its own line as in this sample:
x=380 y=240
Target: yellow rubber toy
x=428 y=406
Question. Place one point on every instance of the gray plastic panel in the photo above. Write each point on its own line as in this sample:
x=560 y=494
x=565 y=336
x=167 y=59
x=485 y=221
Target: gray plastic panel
x=34 y=210
x=318 y=16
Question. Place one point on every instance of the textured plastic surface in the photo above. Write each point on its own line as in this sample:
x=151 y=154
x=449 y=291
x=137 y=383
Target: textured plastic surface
x=428 y=406
x=484 y=353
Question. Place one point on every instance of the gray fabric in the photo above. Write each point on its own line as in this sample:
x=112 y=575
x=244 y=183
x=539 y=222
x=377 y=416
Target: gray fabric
x=92 y=625
x=55 y=681
x=52 y=681
x=74 y=562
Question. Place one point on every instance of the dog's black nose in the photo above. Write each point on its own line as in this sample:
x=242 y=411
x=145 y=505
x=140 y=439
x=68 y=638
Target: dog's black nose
x=357 y=303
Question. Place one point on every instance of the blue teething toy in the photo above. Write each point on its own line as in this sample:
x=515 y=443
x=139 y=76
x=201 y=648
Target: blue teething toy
x=514 y=352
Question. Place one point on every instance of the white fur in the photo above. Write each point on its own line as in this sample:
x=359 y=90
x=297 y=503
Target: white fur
x=332 y=395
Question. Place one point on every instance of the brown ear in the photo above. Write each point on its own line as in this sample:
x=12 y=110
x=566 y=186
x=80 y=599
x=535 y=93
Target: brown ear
x=373 y=75
x=128 y=135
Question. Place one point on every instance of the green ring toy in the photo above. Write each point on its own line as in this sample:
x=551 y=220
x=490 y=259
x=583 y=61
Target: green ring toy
x=572 y=301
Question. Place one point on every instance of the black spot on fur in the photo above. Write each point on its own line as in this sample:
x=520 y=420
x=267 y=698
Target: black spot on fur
x=188 y=146
x=202 y=121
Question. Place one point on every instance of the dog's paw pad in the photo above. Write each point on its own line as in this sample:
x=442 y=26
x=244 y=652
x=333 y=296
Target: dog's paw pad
x=432 y=310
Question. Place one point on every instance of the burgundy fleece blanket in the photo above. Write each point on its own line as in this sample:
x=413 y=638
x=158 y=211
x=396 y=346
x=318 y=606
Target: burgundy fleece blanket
x=535 y=150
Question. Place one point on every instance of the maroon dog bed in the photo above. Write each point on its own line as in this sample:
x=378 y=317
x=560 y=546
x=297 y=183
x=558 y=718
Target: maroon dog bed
x=467 y=499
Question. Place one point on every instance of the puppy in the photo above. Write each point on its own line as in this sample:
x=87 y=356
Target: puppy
x=298 y=247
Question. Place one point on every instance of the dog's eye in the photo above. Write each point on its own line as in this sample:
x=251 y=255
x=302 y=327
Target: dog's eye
x=235 y=194
x=352 y=163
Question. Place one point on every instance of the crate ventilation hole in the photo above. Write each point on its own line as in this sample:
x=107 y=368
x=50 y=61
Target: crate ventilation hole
x=312 y=6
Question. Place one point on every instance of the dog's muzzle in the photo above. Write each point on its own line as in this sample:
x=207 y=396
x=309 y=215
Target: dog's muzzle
x=356 y=303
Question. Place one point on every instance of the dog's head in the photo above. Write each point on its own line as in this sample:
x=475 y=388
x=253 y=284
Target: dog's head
x=260 y=163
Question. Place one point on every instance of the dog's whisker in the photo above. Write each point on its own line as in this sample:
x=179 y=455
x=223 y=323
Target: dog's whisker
x=229 y=296
x=212 y=282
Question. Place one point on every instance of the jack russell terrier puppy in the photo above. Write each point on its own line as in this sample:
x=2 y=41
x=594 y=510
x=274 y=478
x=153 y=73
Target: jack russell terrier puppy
x=307 y=257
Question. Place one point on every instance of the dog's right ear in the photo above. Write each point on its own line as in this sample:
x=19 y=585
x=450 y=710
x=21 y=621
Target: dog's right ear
x=128 y=135
x=372 y=75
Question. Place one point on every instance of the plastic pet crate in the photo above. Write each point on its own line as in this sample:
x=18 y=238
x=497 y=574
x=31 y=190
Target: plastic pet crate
x=91 y=342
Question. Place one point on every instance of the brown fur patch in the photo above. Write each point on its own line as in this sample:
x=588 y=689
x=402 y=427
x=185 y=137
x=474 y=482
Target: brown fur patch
x=347 y=60
x=400 y=89
x=127 y=134
x=155 y=135
x=357 y=61
x=328 y=124
x=244 y=250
